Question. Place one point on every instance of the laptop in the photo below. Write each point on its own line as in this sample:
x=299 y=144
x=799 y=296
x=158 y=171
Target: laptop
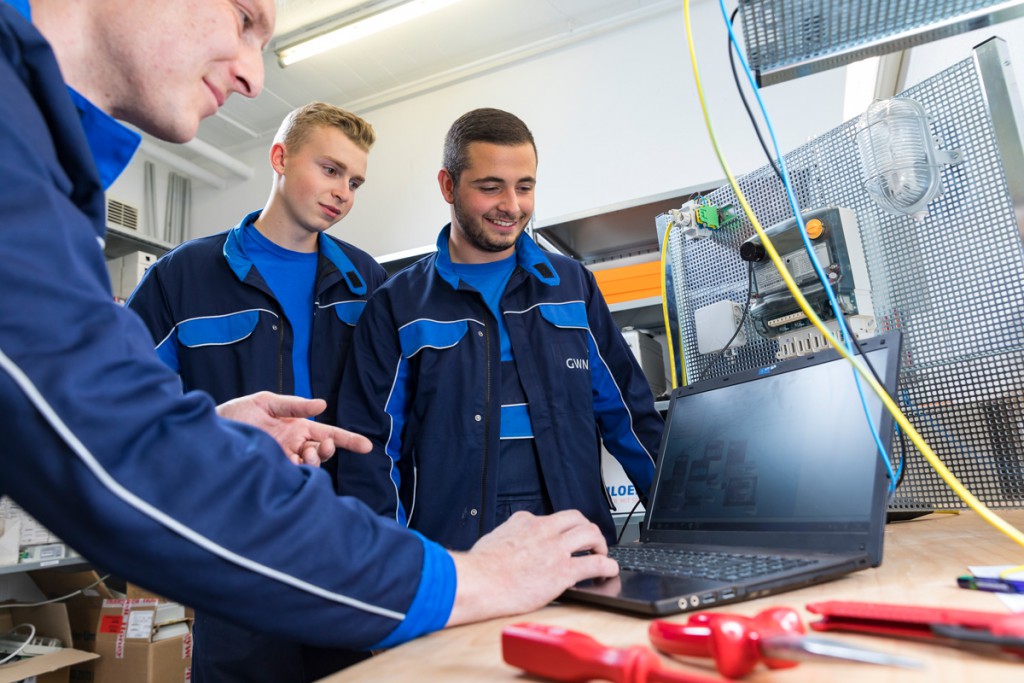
x=766 y=481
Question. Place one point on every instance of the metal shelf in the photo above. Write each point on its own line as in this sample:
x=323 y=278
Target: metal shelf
x=640 y=313
x=616 y=231
x=121 y=242
x=44 y=564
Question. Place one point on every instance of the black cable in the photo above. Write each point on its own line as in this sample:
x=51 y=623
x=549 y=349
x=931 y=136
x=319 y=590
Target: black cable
x=626 y=523
x=746 y=105
x=739 y=328
x=775 y=167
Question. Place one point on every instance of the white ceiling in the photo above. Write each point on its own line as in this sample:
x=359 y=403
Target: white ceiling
x=453 y=43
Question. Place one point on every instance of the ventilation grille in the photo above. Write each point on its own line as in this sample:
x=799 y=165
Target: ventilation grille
x=790 y=38
x=122 y=215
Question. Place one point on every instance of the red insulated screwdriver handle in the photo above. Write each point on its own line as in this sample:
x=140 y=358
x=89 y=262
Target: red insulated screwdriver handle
x=559 y=654
x=562 y=655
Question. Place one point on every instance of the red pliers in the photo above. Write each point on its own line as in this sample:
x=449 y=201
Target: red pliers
x=930 y=623
x=774 y=636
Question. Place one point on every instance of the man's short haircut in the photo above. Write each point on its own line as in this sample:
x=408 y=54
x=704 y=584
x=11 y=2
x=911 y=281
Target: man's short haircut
x=296 y=127
x=482 y=125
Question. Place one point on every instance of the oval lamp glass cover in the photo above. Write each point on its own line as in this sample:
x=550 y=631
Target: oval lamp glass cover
x=901 y=164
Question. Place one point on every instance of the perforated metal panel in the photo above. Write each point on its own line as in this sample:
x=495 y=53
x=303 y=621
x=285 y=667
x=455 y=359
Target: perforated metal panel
x=790 y=38
x=953 y=285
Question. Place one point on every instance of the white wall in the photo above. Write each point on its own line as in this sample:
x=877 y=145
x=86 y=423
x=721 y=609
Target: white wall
x=130 y=189
x=616 y=119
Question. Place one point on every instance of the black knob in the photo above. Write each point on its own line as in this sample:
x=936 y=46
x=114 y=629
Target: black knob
x=752 y=251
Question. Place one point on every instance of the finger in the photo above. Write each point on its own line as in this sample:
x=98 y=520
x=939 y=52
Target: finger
x=325 y=450
x=564 y=520
x=585 y=537
x=294 y=458
x=295 y=406
x=309 y=453
x=592 y=567
x=340 y=438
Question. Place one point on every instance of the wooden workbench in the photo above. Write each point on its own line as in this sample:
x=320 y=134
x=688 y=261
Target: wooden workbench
x=922 y=559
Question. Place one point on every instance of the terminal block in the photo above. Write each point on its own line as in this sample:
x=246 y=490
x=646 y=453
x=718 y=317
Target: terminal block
x=697 y=219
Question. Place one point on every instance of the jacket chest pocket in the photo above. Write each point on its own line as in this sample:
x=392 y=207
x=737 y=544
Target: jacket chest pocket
x=433 y=348
x=221 y=330
x=348 y=312
x=567 y=356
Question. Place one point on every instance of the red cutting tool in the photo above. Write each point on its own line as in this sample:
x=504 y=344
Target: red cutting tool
x=737 y=643
x=558 y=654
x=1004 y=630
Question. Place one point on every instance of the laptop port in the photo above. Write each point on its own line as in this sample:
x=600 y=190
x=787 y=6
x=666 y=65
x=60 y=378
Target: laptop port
x=708 y=598
x=728 y=594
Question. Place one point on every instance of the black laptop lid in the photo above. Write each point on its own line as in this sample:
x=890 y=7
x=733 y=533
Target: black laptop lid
x=778 y=457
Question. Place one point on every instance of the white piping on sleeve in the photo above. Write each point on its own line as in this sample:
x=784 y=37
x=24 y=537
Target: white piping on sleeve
x=391 y=432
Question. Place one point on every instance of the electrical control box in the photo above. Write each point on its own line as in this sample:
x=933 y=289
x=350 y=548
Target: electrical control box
x=835 y=239
x=716 y=325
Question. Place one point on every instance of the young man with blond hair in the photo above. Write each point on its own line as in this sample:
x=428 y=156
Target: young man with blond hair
x=270 y=305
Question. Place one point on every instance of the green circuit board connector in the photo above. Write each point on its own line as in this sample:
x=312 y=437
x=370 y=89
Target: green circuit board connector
x=713 y=217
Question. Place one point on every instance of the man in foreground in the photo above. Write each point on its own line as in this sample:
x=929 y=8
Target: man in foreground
x=99 y=443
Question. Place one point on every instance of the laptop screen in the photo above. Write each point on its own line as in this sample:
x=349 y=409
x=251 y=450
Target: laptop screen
x=784 y=449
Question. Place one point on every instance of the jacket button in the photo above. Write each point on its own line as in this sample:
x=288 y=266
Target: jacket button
x=473 y=513
x=477 y=418
x=479 y=333
x=274 y=328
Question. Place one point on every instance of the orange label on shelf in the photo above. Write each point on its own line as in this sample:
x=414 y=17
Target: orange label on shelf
x=626 y=283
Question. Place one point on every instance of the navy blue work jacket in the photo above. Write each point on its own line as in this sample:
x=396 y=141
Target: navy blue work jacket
x=216 y=323
x=422 y=382
x=101 y=446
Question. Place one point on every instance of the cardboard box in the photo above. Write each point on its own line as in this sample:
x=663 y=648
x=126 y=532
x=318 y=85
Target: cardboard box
x=84 y=608
x=50 y=621
x=137 y=645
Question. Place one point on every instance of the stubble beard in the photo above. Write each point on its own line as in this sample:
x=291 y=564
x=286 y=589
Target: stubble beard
x=476 y=235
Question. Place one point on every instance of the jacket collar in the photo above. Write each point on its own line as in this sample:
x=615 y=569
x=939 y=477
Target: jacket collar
x=111 y=142
x=241 y=264
x=529 y=257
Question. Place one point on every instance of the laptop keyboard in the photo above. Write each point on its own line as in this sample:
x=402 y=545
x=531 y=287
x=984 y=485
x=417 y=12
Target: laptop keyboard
x=703 y=565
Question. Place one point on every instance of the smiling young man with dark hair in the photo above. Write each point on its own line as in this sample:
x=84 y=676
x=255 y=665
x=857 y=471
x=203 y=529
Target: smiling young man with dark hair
x=488 y=374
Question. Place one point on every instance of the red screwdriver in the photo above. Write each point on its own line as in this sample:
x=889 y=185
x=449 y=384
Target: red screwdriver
x=774 y=636
x=558 y=654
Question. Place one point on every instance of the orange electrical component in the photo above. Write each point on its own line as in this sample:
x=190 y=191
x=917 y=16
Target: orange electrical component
x=814 y=228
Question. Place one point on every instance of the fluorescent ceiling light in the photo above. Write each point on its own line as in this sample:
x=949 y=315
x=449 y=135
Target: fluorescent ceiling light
x=357 y=29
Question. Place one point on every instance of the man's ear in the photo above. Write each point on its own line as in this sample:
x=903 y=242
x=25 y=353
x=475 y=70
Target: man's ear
x=277 y=155
x=444 y=180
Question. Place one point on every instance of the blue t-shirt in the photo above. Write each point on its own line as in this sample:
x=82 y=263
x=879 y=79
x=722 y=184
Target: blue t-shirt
x=490 y=279
x=291 y=276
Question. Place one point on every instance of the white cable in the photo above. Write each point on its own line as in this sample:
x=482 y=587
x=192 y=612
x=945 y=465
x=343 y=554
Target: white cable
x=31 y=635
